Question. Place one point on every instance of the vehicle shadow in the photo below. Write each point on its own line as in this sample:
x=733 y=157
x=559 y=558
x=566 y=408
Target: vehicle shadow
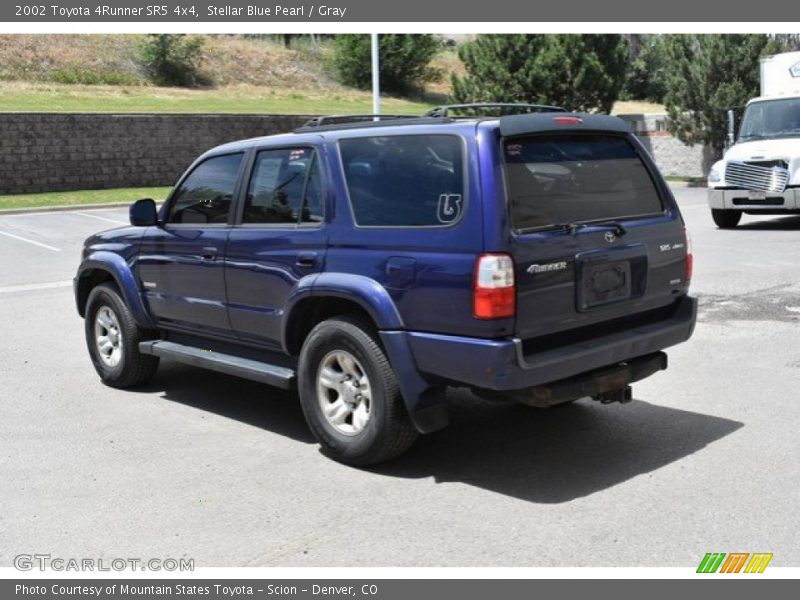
x=559 y=454
x=231 y=397
x=786 y=223
x=544 y=456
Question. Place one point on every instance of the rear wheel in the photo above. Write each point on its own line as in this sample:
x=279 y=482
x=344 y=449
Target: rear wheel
x=350 y=396
x=726 y=219
x=113 y=337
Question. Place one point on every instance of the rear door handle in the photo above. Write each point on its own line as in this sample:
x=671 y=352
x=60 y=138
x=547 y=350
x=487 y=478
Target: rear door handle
x=209 y=253
x=306 y=259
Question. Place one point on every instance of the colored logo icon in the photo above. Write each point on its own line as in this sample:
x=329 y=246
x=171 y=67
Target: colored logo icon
x=734 y=562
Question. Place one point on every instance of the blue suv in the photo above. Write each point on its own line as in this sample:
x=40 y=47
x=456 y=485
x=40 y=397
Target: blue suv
x=524 y=252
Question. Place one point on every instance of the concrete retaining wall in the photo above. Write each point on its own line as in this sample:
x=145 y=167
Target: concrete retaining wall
x=672 y=156
x=42 y=152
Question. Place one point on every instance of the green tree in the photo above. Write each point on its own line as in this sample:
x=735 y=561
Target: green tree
x=172 y=59
x=404 y=60
x=647 y=68
x=783 y=42
x=708 y=74
x=579 y=72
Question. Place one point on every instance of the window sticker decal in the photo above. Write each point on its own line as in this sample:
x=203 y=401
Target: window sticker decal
x=449 y=208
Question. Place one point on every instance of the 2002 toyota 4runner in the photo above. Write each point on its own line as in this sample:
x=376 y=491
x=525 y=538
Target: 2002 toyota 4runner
x=536 y=255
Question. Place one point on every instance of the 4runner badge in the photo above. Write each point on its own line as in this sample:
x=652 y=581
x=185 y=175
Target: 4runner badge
x=556 y=266
x=609 y=236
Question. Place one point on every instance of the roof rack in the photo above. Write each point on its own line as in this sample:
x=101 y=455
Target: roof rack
x=496 y=108
x=343 y=119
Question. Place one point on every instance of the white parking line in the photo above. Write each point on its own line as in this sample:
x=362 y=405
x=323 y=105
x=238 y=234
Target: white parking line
x=34 y=286
x=99 y=218
x=22 y=239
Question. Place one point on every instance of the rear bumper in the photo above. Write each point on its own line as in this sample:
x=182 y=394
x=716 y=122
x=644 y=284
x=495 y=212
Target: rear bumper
x=789 y=200
x=502 y=364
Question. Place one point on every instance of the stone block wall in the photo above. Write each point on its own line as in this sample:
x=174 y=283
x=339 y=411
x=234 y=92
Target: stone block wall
x=44 y=152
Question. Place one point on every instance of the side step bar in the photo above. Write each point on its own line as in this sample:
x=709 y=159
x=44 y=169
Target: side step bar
x=282 y=377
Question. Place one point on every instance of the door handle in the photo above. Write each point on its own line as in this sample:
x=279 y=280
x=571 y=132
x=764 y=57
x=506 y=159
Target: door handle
x=209 y=253
x=306 y=259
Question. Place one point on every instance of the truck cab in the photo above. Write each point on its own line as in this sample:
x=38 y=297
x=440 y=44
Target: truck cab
x=760 y=173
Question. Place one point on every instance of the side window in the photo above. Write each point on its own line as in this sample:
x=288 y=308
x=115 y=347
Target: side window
x=285 y=187
x=205 y=196
x=404 y=180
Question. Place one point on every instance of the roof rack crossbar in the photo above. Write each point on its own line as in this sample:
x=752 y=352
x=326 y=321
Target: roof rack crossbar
x=503 y=108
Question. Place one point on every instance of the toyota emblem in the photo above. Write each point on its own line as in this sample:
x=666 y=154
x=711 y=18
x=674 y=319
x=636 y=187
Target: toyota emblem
x=609 y=236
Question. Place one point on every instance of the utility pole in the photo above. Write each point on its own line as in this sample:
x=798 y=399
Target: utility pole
x=376 y=79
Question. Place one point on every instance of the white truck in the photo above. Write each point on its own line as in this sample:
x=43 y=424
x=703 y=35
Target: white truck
x=760 y=173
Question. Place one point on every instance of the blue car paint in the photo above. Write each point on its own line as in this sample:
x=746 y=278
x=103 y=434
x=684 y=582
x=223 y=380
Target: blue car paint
x=110 y=254
x=415 y=283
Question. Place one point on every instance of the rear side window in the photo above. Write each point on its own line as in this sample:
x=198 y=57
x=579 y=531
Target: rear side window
x=285 y=187
x=205 y=196
x=404 y=181
x=554 y=180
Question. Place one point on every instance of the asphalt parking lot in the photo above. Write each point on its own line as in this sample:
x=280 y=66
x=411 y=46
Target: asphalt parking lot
x=224 y=471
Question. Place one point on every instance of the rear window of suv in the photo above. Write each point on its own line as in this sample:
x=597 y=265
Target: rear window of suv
x=559 y=179
x=404 y=180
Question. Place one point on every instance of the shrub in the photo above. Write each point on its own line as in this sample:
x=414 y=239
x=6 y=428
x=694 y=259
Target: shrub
x=173 y=59
x=404 y=60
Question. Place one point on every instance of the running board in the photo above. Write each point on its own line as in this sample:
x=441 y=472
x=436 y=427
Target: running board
x=262 y=372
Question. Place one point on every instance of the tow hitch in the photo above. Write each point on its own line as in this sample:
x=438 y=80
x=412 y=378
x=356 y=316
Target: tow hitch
x=606 y=385
x=623 y=396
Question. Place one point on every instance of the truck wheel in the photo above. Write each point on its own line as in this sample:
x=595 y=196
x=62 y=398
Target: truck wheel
x=350 y=396
x=113 y=337
x=726 y=219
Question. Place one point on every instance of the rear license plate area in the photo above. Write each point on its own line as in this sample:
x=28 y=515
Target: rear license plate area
x=605 y=277
x=606 y=283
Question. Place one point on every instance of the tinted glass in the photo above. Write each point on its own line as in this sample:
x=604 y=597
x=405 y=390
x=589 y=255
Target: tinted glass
x=553 y=180
x=409 y=180
x=206 y=194
x=314 y=205
x=279 y=181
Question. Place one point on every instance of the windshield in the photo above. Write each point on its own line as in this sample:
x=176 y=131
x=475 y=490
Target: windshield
x=561 y=179
x=771 y=119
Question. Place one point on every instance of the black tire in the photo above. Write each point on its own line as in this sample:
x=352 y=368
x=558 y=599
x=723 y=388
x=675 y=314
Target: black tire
x=388 y=431
x=132 y=368
x=726 y=219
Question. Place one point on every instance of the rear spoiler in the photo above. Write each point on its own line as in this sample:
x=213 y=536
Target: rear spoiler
x=513 y=125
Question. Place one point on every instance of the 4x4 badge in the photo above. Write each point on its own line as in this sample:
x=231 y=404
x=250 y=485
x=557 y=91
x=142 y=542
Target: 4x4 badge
x=609 y=236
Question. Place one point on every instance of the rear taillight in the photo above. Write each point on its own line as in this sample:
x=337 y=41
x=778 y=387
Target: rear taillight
x=493 y=293
x=689 y=264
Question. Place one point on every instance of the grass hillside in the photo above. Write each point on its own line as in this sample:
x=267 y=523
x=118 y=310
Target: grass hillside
x=246 y=74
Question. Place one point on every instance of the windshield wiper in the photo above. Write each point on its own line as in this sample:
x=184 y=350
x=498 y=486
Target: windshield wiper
x=615 y=226
x=572 y=228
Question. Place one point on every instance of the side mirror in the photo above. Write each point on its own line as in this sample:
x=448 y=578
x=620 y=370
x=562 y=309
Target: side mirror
x=143 y=212
x=730 y=117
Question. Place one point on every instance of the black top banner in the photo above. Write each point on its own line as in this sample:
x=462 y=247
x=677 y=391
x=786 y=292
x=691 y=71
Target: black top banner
x=338 y=11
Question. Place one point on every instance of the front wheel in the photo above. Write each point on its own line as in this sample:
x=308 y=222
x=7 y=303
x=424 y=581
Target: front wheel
x=349 y=394
x=113 y=337
x=726 y=219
